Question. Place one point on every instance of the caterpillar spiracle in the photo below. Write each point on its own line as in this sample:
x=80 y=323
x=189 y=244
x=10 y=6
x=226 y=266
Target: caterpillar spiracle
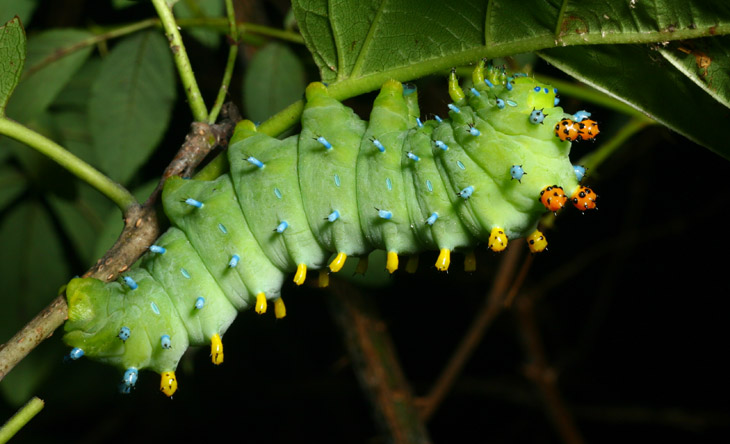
x=342 y=187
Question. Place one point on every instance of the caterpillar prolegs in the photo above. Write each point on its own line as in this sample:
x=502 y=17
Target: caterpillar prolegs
x=340 y=188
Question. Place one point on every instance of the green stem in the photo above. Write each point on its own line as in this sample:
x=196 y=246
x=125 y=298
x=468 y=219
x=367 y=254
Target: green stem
x=597 y=157
x=230 y=64
x=195 y=99
x=115 y=192
x=20 y=419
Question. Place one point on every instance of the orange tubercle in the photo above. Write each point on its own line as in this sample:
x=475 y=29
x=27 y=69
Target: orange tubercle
x=553 y=197
x=584 y=198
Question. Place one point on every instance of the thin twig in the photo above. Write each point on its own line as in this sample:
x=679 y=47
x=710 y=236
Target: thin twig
x=20 y=419
x=539 y=372
x=376 y=365
x=140 y=230
x=493 y=305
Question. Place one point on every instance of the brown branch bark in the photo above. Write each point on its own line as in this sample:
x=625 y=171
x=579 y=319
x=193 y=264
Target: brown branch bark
x=376 y=365
x=141 y=228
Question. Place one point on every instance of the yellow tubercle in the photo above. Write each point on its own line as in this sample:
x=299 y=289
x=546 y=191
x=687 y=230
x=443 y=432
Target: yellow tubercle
x=497 y=240
x=391 y=263
x=338 y=262
x=444 y=260
x=536 y=242
x=301 y=275
x=362 y=265
x=470 y=262
x=324 y=279
x=455 y=91
x=477 y=77
x=412 y=264
x=216 y=349
x=168 y=384
x=260 y=303
x=279 y=308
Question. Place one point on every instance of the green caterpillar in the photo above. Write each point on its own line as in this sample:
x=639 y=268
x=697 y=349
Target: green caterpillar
x=343 y=186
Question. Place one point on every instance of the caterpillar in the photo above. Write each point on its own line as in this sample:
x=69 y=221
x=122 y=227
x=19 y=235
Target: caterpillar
x=339 y=189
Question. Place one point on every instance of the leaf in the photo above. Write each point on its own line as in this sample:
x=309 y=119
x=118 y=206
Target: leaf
x=12 y=57
x=383 y=38
x=201 y=9
x=22 y=8
x=274 y=79
x=704 y=61
x=131 y=103
x=12 y=183
x=638 y=76
x=53 y=58
x=32 y=269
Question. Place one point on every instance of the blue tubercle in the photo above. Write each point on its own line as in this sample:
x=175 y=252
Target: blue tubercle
x=580 y=172
x=194 y=203
x=199 y=303
x=438 y=119
x=128 y=380
x=474 y=92
x=283 y=225
x=537 y=116
x=454 y=108
x=466 y=192
x=130 y=282
x=412 y=156
x=488 y=83
x=378 y=145
x=74 y=354
x=432 y=218
x=166 y=342
x=419 y=123
x=508 y=85
x=473 y=130
x=234 y=261
x=384 y=214
x=581 y=116
x=441 y=145
x=333 y=216
x=124 y=333
x=556 y=101
x=517 y=172
x=324 y=142
x=254 y=161
x=500 y=103
x=157 y=249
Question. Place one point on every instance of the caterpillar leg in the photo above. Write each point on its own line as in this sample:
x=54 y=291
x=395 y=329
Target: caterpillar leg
x=168 y=384
x=338 y=262
x=279 y=308
x=536 y=242
x=412 y=264
x=391 y=263
x=444 y=260
x=362 y=265
x=497 y=240
x=216 y=349
x=324 y=279
x=301 y=275
x=260 y=303
x=470 y=262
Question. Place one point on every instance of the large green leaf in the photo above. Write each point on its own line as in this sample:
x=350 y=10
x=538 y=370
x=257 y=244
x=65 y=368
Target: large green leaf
x=274 y=79
x=635 y=75
x=53 y=58
x=131 y=103
x=359 y=45
x=407 y=38
x=12 y=57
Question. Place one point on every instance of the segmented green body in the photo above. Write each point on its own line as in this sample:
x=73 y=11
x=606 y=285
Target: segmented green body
x=437 y=185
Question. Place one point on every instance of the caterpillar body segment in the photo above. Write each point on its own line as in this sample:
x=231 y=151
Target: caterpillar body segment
x=339 y=189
